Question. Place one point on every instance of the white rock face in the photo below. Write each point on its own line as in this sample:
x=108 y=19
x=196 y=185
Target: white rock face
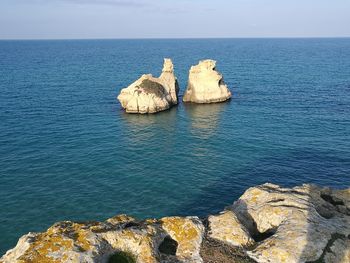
x=149 y=94
x=227 y=228
x=169 y=80
x=205 y=84
x=305 y=223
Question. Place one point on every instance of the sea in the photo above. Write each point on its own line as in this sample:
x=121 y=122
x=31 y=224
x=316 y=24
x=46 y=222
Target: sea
x=68 y=151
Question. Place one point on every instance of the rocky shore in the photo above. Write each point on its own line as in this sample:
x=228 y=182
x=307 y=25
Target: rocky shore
x=268 y=223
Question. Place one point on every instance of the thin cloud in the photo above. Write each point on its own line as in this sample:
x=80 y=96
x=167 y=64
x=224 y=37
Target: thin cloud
x=107 y=2
x=121 y=3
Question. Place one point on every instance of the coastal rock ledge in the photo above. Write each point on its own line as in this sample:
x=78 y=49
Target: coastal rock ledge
x=149 y=94
x=206 y=84
x=268 y=223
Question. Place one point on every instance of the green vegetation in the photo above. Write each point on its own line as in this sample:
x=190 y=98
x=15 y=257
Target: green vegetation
x=122 y=257
x=152 y=87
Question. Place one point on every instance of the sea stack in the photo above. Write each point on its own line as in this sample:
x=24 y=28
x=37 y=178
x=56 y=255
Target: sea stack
x=205 y=84
x=149 y=94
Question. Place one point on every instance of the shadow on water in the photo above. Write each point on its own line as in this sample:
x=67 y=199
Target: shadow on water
x=286 y=168
x=219 y=194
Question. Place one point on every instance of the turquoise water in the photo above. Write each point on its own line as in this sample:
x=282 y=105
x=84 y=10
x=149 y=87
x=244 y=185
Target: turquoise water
x=68 y=151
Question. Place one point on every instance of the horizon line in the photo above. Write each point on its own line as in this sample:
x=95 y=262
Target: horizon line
x=173 y=38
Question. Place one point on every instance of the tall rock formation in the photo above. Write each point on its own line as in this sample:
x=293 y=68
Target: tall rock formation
x=149 y=94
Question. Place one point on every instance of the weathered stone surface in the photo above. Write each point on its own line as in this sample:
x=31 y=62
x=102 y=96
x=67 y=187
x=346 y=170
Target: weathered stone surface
x=294 y=225
x=149 y=94
x=98 y=241
x=214 y=251
x=339 y=251
x=205 y=84
x=188 y=232
x=169 y=80
x=268 y=223
x=227 y=228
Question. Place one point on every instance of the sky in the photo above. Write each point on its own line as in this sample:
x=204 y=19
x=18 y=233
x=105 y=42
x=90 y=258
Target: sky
x=80 y=19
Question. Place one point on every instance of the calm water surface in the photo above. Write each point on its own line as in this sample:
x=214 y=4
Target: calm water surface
x=68 y=151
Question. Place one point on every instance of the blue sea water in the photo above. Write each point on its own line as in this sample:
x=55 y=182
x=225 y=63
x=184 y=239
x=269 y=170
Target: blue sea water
x=69 y=152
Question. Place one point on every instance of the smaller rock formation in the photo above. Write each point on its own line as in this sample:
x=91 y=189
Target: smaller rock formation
x=205 y=84
x=149 y=94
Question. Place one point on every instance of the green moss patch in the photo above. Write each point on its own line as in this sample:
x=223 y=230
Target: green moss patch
x=152 y=87
x=122 y=257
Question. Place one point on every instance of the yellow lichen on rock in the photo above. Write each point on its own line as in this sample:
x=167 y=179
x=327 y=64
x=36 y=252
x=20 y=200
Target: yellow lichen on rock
x=44 y=247
x=227 y=228
x=119 y=219
x=138 y=240
x=187 y=232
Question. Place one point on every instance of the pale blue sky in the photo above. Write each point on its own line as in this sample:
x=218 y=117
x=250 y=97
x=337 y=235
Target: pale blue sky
x=33 y=19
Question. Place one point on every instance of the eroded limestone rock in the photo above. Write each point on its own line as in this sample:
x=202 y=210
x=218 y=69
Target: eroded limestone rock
x=269 y=223
x=149 y=94
x=97 y=241
x=169 y=80
x=205 y=84
x=295 y=225
x=338 y=251
x=227 y=228
x=188 y=232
